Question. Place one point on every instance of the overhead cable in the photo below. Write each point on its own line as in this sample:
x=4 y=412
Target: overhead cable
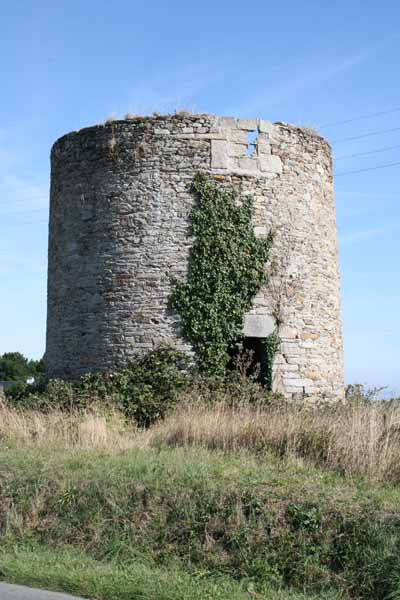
x=368 y=152
x=370 y=116
x=364 y=135
x=367 y=169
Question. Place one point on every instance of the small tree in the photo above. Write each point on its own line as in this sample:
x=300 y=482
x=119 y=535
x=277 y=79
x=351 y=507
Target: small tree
x=14 y=366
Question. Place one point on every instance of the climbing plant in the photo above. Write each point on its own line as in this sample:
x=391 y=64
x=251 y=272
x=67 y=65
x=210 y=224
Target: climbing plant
x=272 y=344
x=226 y=269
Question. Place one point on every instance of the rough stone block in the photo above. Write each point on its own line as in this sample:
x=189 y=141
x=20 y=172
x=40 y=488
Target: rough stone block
x=313 y=374
x=266 y=126
x=261 y=231
x=227 y=122
x=219 y=154
x=247 y=124
x=248 y=164
x=161 y=131
x=295 y=381
x=238 y=136
x=263 y=148
x=263 y=142
x=288 y=333
x=259 y=326
x=237 y=150
x=271 y=164
x=310 y=335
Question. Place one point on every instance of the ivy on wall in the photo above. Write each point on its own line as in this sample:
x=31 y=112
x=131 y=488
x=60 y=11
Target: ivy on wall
x=226 y=270
x=272 y=345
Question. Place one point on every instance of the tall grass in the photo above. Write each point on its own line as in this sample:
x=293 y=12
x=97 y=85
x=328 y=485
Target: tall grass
x=218 y=500
x=81 y=429
x=355 y=439
x=360 y=438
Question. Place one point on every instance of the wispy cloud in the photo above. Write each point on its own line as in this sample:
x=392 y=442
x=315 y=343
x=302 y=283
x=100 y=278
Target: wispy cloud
x=309 y=73
x=367 y=234
x=20 y=195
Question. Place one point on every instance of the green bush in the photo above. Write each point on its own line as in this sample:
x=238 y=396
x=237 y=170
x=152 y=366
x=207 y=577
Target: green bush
x=42 y=395
x=148 y=388
x=144 y=391
x=234 y=390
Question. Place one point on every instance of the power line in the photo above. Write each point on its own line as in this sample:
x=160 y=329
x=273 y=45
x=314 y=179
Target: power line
x=378 y=114
x=370 y=152
x=364 y=135
x=368 y=169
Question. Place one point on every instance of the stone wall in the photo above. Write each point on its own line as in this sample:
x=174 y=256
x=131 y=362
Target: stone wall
x=119 y=231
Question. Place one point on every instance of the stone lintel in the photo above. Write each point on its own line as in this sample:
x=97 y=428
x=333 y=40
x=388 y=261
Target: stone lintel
x=248 y=124
x=258 y=326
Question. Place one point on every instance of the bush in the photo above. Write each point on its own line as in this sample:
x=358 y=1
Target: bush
x=147 y=389
x=144 y=391
x=42 y=395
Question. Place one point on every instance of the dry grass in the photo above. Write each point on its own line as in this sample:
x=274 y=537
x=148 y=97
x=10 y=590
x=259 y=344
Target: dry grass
x=354 y=439
x=83 y=430
x=357 y=439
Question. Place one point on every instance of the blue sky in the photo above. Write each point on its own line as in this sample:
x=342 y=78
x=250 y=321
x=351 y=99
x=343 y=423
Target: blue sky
x=69 y=64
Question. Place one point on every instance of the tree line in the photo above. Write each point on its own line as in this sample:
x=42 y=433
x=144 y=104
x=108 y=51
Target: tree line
x=14 y=366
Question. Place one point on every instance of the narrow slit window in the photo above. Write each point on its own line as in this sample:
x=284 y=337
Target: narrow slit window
x=251 y=142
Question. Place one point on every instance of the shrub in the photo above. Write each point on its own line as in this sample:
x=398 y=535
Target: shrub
x=144 y=391
x=148 y=388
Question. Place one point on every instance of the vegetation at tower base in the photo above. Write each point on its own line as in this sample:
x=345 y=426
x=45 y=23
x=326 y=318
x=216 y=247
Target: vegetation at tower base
x=272 y=345
x=144 y=392
x=226 y=270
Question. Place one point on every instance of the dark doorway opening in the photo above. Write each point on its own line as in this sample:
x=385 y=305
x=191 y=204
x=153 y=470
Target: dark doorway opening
x=251 y=355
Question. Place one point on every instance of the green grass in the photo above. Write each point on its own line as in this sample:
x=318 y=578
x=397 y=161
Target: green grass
x=69 y=570
x=193 y=523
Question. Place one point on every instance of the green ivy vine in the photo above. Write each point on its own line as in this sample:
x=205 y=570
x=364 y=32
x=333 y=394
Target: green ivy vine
x=272 y=345
x=226 y=270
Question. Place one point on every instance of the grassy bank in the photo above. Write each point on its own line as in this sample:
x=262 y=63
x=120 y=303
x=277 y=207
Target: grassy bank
x=358 y=439
x=211 y=503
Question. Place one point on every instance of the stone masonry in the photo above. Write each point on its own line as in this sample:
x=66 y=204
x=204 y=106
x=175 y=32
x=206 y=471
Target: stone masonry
x=119 y=232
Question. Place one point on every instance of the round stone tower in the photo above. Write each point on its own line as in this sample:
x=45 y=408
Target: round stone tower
x=120 y=232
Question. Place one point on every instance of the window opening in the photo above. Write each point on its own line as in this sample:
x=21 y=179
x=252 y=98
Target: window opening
x=251 y=142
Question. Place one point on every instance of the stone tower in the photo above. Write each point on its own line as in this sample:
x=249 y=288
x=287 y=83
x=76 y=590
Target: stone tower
x=119 y=229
